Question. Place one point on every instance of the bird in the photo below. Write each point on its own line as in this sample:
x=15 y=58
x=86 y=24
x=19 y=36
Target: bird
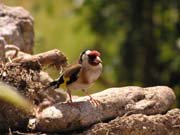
x=81 y=75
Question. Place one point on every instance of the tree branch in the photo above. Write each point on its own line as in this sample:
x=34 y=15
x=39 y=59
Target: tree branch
x=52 y=57
x=114 y=102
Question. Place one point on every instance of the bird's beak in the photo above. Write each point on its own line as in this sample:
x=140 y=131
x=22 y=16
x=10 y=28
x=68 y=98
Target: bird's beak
x=98 y=60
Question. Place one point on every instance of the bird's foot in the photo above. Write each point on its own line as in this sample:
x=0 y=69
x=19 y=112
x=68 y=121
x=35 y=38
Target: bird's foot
x=94 y=101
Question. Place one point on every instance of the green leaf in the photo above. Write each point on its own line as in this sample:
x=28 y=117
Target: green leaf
x=8 y=94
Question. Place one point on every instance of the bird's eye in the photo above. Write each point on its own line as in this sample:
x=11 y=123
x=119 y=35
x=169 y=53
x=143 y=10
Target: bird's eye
x=92 y=56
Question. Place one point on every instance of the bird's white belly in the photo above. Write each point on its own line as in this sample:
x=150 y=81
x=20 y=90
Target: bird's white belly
x=93 y=75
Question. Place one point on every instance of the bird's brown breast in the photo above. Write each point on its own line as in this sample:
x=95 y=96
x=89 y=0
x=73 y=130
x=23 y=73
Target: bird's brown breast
x=83 y=77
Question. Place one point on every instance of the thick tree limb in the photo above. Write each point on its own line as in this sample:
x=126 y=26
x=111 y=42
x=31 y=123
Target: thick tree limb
x=139 y=124
x=52 y=57
x=114 y=102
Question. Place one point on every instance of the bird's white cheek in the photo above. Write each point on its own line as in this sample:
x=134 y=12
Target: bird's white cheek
x=85 y=60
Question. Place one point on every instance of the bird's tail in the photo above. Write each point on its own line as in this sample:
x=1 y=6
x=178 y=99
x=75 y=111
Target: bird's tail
x=56 y=83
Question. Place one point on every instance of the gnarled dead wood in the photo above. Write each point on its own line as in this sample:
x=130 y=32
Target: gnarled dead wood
x=140 y=124
x=114 y=102
x=52 y=57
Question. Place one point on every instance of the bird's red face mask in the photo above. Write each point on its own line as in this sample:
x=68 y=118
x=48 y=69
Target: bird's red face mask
x=94 y=57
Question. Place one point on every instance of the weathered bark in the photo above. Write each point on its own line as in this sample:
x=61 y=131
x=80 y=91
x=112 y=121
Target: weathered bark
x=16 y=26
x=114 y=102
x=52 y=57
x=2 y=49
x=139 y=124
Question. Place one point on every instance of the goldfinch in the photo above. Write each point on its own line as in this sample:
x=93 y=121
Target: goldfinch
x=82 y=75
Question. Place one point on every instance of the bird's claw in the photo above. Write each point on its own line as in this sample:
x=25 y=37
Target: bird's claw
x=94 y=101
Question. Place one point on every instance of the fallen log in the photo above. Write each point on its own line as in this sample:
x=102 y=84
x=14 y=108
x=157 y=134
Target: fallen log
x=140 y=124
x=114 y=102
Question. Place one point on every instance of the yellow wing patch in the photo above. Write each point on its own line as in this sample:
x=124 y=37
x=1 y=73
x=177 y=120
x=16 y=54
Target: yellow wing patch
x=64 y=85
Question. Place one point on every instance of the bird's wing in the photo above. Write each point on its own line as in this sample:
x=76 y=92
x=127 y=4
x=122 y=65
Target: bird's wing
x=72 y=71
x=69 y=75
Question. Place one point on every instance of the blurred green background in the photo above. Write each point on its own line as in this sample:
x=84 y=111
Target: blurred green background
x=139 y=40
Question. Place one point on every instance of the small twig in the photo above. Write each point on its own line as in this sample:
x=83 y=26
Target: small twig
x=107 y=133
x=12 y=47
x=9 y=59
x=10 y=132
x=176 y=126
x=129 y=113
x=21 y=133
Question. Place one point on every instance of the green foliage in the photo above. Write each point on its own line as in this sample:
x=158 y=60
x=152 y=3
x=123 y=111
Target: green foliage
x=8 y=94
x=149 y=52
